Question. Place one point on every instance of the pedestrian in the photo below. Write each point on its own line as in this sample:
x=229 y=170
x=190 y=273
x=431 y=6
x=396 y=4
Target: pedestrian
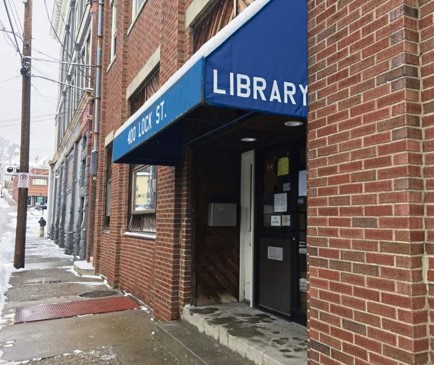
x=42 y=223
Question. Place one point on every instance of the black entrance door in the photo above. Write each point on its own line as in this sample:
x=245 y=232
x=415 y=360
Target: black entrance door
x=280 y=249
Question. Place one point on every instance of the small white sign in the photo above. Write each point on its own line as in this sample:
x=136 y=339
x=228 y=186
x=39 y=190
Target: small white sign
x=275 y=221
x=23 y=180
x=275 y=253
x=280 y=203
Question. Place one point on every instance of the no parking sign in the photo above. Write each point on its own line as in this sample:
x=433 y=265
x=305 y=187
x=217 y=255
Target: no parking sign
x=23 y=179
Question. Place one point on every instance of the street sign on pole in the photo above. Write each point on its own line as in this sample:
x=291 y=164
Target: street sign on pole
x=23 y=180
x=20 y=237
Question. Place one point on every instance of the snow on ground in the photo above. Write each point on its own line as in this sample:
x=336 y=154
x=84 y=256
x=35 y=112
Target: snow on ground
x=6 y=265
x=6 y=259
x=44 y=248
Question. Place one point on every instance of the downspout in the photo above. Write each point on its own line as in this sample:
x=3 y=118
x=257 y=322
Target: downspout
x=95 y=134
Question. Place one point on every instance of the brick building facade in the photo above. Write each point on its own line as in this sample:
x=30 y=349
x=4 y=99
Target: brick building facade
x=38 y=185
x=74 y=26
x=366 y=146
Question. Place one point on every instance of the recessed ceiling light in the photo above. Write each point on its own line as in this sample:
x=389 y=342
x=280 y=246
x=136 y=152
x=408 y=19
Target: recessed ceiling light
x=293 y=123
x=248 y=139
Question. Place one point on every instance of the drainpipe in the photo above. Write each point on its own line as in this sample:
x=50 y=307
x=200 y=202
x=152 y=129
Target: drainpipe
x=95 y=133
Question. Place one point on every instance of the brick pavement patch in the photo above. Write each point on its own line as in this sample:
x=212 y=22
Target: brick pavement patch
x=72 y=309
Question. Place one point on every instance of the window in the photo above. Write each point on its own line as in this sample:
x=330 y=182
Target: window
x=114 y=6
x=137 y=6
x=215 y=18
x=40 y=182
x=143 y=199
x=145 y=91
x=70 y=172
x=108 y=186
x=143 y=202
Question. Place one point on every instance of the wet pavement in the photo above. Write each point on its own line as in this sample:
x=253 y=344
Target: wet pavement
x=131 y=336
x=260 y=337
x=126 y=337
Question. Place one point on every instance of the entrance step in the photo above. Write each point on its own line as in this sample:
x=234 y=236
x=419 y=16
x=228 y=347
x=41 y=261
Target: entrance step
x=194 y=348
x=260 y=337
x=84 y=268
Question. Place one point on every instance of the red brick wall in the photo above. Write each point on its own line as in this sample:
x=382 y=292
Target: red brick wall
x=368 y=302
x=114 y=112
x=370 y=151
x=426 y=28
x=149 y=269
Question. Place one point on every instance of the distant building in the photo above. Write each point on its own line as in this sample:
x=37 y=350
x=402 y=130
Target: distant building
x=74 y=27
x=38 y=185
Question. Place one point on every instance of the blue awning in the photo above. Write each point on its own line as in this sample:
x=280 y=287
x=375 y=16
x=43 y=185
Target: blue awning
x=258 y=62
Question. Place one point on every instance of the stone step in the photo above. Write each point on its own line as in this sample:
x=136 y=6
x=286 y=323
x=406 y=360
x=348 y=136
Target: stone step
x=84 y=268
x=262 y=338
x=194 y=348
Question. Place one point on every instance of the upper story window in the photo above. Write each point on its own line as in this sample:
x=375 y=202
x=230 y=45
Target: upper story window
x=137 y=6
x=214 y=17
x=114 y=9
x=40 y=182
x=69 y=172
x=143 y=200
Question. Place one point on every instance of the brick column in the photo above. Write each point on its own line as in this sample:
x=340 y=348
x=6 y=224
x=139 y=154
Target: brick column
x=367 y=296
x=426 y=28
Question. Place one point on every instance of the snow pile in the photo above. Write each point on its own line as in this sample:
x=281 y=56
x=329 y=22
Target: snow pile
x=6 y=265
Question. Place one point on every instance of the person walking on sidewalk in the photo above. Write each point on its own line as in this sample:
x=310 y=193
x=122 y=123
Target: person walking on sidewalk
x=42 y=223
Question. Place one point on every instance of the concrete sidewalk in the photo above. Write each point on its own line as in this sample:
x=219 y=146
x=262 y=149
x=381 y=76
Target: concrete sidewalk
x=130 y=337
x=123 y=337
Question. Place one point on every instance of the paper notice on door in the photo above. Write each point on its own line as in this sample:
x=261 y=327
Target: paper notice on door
x=275 y=253
x=286 y=220
x=275 y=221
x=283 y=166
x=280 y=203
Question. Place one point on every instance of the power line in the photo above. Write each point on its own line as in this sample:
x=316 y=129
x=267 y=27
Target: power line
x=43 y=96
x=12 y=27
x=5 y=30
x=31 y=122
x=10 y=79
x=7 y=35
x=63 y=62
x=16 y=16
x=58 y=38
x=63 y=83
x=18 y=119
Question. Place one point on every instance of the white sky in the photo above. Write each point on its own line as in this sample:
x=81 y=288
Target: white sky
x=44 y=93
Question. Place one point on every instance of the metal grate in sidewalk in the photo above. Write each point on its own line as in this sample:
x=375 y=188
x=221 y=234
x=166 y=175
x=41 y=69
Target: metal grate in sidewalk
x=71 y=309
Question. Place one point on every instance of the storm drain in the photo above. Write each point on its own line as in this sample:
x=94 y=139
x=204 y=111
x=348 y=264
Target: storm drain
x=72 y=309
x=98 y=294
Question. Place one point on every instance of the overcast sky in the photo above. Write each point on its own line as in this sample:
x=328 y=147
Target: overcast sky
x=44 y=93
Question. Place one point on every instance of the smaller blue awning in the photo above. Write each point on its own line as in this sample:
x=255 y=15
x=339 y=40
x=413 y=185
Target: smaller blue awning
x=258 y=62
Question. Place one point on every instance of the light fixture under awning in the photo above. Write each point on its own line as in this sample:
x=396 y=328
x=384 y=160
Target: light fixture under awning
x=258 y=62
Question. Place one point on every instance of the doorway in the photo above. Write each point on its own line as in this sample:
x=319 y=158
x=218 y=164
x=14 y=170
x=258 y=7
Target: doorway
x=280 y=247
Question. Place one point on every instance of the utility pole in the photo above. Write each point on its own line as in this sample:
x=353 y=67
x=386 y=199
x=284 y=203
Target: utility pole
x=20 y=238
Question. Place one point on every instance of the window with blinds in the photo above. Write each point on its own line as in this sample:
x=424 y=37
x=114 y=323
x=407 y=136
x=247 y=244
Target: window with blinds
x=219 y=14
